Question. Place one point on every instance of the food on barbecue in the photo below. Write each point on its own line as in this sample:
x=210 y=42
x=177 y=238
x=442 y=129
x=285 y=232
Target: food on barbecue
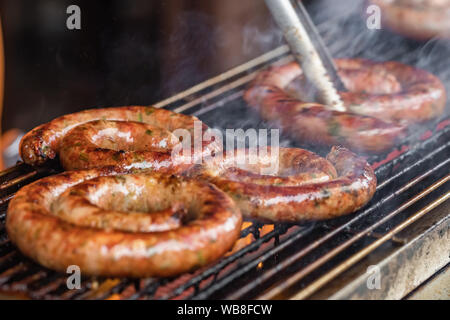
x=305 y=186
x=102 y=143
x=383 y=98
x=102 y=222
x=128 y=137
x=419 y=19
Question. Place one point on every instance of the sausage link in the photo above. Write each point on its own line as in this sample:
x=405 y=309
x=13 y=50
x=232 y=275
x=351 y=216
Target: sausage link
x=415 y=97
x=128 y=144
x=420 y=20
x=57 y=221
x=45 y=142
x=394 y=96
x=347 y=183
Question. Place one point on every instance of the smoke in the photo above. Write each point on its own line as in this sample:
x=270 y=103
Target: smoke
x=343 y=26
x=191 y=44
x=202 y=45
x=260 y=38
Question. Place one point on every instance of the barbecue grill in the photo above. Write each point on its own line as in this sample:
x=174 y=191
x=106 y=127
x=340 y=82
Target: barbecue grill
x=403 y=233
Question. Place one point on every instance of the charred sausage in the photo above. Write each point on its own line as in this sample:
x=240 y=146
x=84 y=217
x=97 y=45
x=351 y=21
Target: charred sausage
x=115 y=138
x=422 y=20
x=101 y=221
x=383 y=99
x=316 y=188
x=128 y=144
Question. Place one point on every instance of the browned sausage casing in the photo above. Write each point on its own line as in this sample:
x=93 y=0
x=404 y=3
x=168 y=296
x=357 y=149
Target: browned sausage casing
x=316 y=189
x=126 y=137
x=383 y=99
x=102 y=222
x=420 y=20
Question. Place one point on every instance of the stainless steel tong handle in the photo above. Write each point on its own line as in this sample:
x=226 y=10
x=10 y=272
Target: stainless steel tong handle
x=318 y=68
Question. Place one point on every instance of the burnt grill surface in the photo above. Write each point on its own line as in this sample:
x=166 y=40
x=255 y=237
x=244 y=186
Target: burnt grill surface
x=275 y=261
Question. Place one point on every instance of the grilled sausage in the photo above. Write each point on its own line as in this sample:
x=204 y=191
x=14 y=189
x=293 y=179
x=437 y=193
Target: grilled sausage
x=338 y=185
x=391 y=91
x=127 y=144
x=79 y=218
x=383 y=99
x=420 y=19
x=115 y=139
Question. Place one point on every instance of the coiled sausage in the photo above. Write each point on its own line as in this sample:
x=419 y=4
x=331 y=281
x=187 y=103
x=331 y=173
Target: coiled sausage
x=101 y=220
x=314 y=188
x=419 y=19
x=383 y=99
x=128 y=137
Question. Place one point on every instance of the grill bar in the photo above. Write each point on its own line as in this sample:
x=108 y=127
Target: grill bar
x=226 y=261
x=57 y=280
x=357 y=237
x=361 y=254
x=252 y=265
x=244 y=68
x=330 y=235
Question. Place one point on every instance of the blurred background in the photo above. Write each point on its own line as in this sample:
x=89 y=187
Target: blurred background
x=127 y=52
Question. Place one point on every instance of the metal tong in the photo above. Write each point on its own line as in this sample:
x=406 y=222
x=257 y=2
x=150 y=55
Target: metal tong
x=309 y=50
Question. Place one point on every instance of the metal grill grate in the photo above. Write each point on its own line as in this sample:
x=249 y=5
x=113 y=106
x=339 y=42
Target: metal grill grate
x=277 y=256
x=273 y=261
